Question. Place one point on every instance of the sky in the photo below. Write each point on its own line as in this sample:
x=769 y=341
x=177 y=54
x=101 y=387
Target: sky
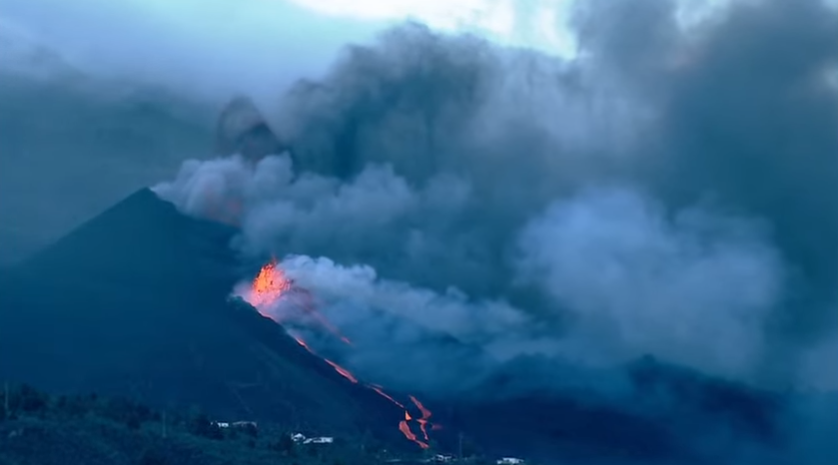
x=215 y=48
x=203 y=51
x=306 y=33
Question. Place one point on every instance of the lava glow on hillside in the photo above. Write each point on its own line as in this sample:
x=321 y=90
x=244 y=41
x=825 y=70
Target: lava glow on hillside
x=271 y=286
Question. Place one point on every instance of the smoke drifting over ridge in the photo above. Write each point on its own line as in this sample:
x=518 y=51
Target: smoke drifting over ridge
x=668 y=192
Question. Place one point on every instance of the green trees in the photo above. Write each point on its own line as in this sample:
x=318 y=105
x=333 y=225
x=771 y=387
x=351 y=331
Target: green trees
x=284 y=445
x=201 y=425
x=23 y=399
x=80 y=428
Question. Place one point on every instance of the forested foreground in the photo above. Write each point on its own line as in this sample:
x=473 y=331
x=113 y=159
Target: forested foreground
x=41 y=429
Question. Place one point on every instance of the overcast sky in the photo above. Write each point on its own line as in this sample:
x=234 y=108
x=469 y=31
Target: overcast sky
x=202 y=50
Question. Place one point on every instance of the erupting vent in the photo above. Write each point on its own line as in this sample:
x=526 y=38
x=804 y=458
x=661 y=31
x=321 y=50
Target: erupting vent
x=271 y=286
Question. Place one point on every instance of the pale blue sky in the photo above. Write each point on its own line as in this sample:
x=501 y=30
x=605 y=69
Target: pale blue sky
x=215 y=47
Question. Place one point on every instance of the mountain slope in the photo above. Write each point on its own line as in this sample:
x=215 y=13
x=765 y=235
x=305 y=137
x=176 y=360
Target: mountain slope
x=135 y=303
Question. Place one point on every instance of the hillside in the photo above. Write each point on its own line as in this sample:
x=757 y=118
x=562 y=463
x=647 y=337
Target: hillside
x=135 y=303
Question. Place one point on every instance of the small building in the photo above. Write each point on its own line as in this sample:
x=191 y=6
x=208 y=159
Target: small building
x=244 y=424
x=510 y=461
x=235 y=424
x=319 y=440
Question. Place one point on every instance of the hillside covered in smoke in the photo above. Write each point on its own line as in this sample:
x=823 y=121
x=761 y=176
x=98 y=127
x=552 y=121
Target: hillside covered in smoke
x=669 y=191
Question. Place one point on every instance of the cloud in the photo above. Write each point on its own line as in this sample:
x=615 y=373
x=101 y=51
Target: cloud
x=638 y=282
x=669 y=185
x=233 y=46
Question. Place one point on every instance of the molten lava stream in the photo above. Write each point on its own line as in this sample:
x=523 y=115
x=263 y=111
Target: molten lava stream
x=383 y=394
x=270 y=285
x=404 y=427
x=426 y=414
x=342 y=371
x=339 y=369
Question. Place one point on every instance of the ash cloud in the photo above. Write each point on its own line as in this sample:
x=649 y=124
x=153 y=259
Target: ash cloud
x=670 y=191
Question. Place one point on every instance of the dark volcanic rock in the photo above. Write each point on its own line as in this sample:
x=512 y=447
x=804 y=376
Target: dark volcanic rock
x=135 y=303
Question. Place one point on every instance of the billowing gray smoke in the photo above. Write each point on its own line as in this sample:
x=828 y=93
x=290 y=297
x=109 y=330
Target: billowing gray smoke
x=669 y=191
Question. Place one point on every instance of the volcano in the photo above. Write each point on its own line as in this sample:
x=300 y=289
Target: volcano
x=135 y=302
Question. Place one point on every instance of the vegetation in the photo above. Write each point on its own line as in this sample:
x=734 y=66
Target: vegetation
x=40 y=429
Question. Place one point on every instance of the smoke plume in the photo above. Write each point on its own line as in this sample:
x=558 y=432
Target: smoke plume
x=669 y=191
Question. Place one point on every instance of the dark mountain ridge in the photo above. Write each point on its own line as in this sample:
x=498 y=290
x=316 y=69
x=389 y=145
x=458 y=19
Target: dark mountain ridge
x=135 y=303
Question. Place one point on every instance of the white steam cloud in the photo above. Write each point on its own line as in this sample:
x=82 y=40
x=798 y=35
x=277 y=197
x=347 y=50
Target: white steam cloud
x=623 y=203
x=638 y=282
x=625 y=279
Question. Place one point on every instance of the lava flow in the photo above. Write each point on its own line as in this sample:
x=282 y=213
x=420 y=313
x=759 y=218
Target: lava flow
x=426 y=414
x=404 y=427
x=270 y=285
x=341 y=370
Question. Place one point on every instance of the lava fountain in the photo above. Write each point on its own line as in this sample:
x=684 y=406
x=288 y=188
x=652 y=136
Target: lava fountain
x=271 y=287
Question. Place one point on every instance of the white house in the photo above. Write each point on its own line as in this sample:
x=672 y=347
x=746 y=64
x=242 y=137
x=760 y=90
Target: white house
x=510 y=461
x=320 y=440
x=243 y=424
x=235 y=424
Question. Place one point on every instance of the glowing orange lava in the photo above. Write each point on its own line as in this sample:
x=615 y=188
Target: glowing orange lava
x=426 y=414
x=268 y=286
x=342 y=371
x=405 y=429
x=271 y=284
x=383 y=394
x=339 y=369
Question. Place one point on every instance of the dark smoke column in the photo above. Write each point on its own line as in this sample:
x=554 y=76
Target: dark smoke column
x=242 y=129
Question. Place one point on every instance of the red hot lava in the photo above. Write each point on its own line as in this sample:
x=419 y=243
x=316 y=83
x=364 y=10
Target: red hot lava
x=270 y=285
